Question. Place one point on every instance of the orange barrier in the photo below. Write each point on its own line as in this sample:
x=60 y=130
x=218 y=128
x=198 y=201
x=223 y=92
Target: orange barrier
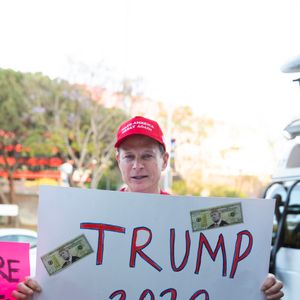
x=53 y=174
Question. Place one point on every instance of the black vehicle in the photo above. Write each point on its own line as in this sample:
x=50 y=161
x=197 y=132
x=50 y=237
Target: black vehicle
x=285 y=188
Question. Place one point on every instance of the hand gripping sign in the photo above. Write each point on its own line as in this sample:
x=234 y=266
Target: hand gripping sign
x=141 y=246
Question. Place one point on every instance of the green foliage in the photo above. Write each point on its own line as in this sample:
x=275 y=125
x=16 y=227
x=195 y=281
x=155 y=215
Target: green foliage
x=25 y=110
x=225 y=191
x=47 y=116
x=183 y=187
x=193 y=127
x=179 y=187
x=88 y=131
x=111 y=179
x=12 y=103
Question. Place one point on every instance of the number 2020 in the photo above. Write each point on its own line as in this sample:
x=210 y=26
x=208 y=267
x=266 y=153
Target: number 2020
x=170 y=291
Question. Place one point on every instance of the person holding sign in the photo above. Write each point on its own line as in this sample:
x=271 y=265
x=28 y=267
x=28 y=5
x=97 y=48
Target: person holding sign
x=141 y=156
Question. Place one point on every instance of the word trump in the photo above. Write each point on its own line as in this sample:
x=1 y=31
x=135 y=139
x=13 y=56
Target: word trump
x=138 y=249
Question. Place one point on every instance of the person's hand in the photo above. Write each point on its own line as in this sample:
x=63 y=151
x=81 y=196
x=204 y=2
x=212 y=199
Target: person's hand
x=26 y=288
x=272 y=288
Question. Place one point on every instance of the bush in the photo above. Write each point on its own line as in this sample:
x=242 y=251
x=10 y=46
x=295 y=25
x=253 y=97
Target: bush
x=225 y=191
x=179 y=187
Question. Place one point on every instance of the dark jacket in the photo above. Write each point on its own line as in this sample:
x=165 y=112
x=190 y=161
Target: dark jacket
x=222 y=223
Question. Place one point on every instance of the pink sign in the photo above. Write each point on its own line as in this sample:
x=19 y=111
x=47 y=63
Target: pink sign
x=14 y=266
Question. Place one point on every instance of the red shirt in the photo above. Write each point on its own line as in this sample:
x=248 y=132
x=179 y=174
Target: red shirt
x=161 y=191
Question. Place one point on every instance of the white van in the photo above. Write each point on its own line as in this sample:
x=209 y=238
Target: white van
x=285 y=188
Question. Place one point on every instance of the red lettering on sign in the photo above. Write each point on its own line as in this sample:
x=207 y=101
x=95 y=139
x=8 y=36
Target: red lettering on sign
x=118 y=293
x=187 y=250
x=237 y=257
x=101 y=229
x=200 y=292
x=213 y=254
x=135 y=249
x=147 y=292
x=173 y=293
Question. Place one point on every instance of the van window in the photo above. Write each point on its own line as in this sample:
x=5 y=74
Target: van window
x=294 y=158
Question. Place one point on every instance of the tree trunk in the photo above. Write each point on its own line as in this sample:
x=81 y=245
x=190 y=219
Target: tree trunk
x=3 y=198
x=11 y=191
x=95 y=180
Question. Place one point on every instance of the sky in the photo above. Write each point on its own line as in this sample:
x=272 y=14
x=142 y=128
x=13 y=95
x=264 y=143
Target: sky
x=222 y=58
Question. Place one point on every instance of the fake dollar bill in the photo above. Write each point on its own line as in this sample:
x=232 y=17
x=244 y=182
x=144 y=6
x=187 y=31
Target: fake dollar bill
x=66 y=254
x=216 y=216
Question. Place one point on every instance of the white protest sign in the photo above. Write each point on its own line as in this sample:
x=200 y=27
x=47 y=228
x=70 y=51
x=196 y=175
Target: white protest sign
x=144 y=246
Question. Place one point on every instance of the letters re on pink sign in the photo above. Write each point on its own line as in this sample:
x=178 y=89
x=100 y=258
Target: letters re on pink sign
x=14 y=266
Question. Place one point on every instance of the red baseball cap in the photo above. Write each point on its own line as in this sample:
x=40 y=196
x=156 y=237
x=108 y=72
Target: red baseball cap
x=140 y=125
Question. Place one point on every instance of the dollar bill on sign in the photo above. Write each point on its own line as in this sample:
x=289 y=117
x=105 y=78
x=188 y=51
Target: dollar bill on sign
x=66 y=254
x=217 y=216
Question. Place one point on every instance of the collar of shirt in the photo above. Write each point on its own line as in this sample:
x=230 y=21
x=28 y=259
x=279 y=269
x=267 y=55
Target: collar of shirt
x=124 y=189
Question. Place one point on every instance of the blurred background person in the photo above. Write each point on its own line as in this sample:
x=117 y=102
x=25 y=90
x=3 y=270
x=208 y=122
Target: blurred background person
x=66 y=171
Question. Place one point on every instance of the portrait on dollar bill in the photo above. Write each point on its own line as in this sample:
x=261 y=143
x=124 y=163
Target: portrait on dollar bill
x=66 y=254
x=215 y=217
